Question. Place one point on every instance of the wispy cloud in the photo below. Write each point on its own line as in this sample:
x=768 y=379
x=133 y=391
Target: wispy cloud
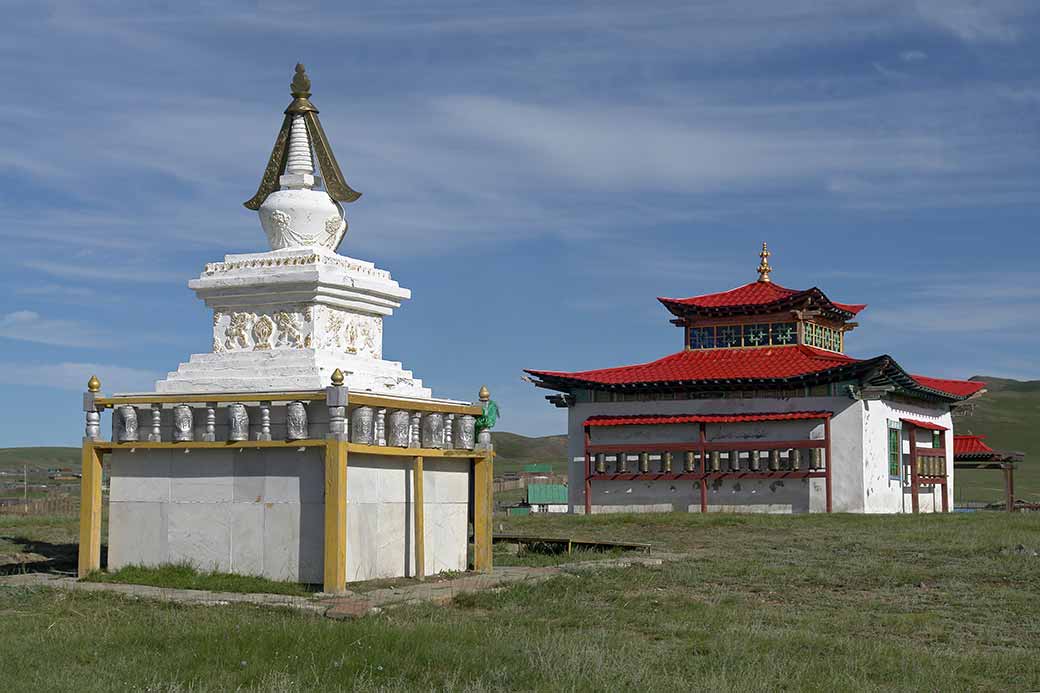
x=29 y=326
x=975 y=20
x=119 y=272
x=67 y=375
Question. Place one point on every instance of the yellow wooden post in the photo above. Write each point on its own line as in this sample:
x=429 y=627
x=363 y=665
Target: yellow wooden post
x=420 y=531
x=90 y=511
x=335 y=516
x=482 y=499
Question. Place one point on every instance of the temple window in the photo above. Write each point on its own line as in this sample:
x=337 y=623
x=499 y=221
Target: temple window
x=822 y=337
x=750 y=335
x=894 y=449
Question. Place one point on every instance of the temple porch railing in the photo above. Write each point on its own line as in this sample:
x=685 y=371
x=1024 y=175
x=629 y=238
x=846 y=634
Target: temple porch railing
x=703 y=462
x=359 y=423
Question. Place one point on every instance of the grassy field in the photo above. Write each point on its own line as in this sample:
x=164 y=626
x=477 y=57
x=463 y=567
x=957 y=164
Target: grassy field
x=764 y=603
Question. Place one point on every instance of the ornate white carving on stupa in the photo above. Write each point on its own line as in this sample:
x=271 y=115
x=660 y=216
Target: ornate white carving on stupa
x=287 y=318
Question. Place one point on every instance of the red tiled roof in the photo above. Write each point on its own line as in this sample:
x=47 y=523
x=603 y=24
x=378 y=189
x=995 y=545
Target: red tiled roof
x=703 y=418
x=756 y=293
x=706 y=367
x=715 y=364
x=925 y=424
x=960 y=388
x=970 y=445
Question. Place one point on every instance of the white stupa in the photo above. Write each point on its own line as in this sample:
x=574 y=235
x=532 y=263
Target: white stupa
x=287 y=318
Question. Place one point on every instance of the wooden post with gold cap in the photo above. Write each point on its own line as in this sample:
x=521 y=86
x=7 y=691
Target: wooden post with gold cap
x=90 y=487
x=420 y=524
x=482 y=501
x=335 y=573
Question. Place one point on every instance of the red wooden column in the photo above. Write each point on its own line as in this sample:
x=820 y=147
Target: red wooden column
x=914 y=483
x=704 y=470
x=827 y=454
x=588 y=473
x=945 y=485
x=1009 y=486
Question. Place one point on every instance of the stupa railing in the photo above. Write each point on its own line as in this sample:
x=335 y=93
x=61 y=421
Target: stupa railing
x=350 y=422
x=702 y=461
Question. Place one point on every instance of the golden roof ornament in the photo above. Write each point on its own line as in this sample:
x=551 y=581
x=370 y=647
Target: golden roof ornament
x=335 y=185
x=93 y=385
x=763 y=267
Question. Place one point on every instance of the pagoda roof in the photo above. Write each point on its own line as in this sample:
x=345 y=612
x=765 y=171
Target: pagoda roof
x=755 y=297
x=737 y=368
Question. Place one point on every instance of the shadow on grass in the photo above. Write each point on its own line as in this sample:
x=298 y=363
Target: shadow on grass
x=44 y=556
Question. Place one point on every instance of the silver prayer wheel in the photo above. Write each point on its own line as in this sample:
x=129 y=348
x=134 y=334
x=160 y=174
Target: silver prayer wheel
x=463 y=434
x=183 y=423
x=126 y=430
x=644 y=462
x=715 y=463
x=363 y=426
x=666 y=463
x=601 y=463
x=689 y=461
x=817 y=458
x=794 y=458
x=238 y=422
x=622 y=463
x=734 y=460
x=432 y=429
x=399 y=428
x=296 y=421
x=774 y=460
x=754 y=462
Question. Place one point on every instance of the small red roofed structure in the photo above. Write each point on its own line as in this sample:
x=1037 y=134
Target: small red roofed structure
x=972 y=452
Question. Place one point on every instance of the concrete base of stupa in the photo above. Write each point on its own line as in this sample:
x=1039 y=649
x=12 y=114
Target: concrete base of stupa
x=261 y=512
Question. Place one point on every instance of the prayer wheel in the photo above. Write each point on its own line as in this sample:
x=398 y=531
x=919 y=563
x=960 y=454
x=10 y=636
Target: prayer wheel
x=622 y=463
x=734 y=460
x=689 y=461
x=817 y=458
x=666 y=463
x=753 y=461
x=644 y=462
x=601 y=463
x=774 y=460
x=794 y=458
x=715 y=466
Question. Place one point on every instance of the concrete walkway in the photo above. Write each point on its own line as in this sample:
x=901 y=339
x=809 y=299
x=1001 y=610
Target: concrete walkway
x=341 y=606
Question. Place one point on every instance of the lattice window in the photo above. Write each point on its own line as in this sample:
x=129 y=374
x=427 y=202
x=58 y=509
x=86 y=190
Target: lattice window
x=756 y=335
x=728 y=336
x=782 y=333
x=894 y=449
x=702 y=338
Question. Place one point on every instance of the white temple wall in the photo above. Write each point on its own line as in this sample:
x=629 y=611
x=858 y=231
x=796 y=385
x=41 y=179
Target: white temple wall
x=261 y=512
x=890 y=495
x=737 y=495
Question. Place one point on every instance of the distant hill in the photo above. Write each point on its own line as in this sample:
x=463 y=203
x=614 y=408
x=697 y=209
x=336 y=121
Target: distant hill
x=513 y=451
x=1008 y=414
x=38 y=458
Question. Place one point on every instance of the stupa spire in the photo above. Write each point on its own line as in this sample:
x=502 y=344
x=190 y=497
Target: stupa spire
x=301 y=106
x=763 y=267
x=294 y=210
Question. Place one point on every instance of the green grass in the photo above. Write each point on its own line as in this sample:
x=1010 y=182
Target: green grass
x=184 y=576
x=765 y=603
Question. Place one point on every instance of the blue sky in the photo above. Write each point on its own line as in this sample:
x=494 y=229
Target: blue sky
x=536 y=173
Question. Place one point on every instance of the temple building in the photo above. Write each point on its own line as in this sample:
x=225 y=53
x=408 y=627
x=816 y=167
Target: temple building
x=760 y=411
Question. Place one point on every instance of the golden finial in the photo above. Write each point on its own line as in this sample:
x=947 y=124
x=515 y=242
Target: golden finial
x=337 y=378
x=94 y=385
x=763 y=267
x=301 y=83
x=484 y=394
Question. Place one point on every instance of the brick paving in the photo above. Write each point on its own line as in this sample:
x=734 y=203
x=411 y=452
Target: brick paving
x=341 y=606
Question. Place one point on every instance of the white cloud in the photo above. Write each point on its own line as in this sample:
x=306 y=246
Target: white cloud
x=73 y=376
x=106 y=272
x=974 y=20
x=29 y=326
x=913 y=56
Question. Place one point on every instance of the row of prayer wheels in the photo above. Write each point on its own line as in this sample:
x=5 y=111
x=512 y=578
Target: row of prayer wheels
x=931 y=465
x=774 y=461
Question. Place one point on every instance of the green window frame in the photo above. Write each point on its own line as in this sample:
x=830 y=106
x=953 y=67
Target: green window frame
x=937 y=439
x=895 y=450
